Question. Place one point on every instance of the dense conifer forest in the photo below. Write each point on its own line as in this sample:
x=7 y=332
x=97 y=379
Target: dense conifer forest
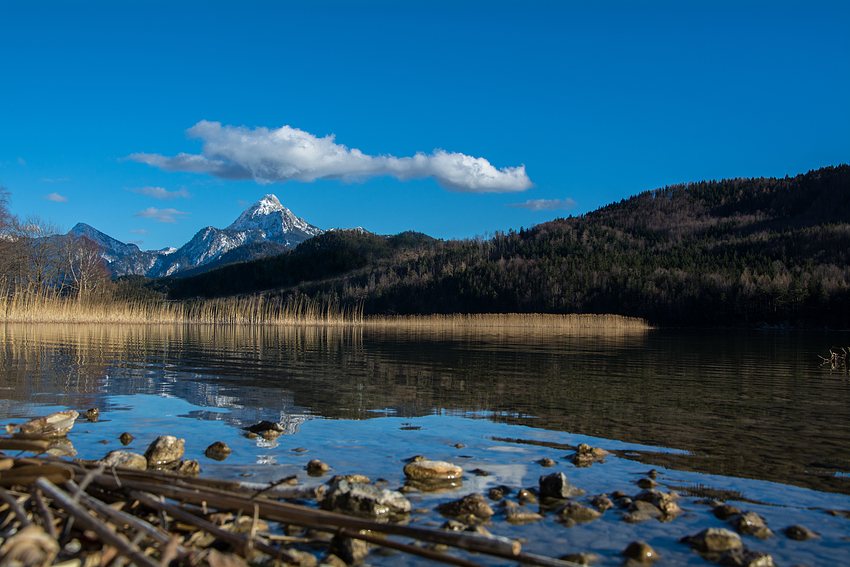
x=731 y=253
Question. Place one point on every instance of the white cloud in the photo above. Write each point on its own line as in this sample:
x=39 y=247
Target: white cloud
x=545 y=204
x=56 y=198
x=136 y=242
x=56 y=180
x=161 y=215
x=140 y=231
x=289 y=154
x=160 y=193
x=21 y=161
x=242 y=203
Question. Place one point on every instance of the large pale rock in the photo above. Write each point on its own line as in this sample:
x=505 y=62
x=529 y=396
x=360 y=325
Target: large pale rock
x=125 y=459
x=364 y=500
x=432 y=470
x=54 y=425
x=164 y=449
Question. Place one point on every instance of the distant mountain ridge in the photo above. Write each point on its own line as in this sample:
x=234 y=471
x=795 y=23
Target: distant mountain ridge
x=267 y=220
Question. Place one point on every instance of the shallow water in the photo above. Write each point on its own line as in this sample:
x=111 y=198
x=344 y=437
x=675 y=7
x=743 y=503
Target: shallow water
x=750 y=417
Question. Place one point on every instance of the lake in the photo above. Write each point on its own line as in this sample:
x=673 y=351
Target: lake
x=749 y=417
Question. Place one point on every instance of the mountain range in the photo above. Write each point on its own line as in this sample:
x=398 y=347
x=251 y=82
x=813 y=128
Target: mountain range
x=265 y=228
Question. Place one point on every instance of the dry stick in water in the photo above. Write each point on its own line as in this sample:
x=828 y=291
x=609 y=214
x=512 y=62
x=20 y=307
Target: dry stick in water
x=91 y=523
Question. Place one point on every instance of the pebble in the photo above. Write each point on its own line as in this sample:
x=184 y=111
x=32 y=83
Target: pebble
x=126 y=438
x=750 y=523
x=521 y=515
x=546 y=462
x=432 y=470
x=725 y=511
x=602 y=503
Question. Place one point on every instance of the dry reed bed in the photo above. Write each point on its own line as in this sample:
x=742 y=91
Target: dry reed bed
x=256 y=310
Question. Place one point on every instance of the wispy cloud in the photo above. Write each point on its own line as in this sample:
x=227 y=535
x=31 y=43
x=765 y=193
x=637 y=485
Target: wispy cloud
x=56 y=198
x=56 y=180
x=545 y=204
x=140 y=231
x=242 y=203
x=160 y=193
x=161 y=215
x=21 y=161
x=289 y=154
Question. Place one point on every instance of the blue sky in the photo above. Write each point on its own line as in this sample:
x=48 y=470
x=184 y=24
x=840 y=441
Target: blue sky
x=450 y=118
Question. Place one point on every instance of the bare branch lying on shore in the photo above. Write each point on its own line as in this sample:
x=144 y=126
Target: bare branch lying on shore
x=123 y=513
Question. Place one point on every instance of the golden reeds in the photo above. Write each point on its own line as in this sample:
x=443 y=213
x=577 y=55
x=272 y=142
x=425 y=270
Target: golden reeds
x=260 y=310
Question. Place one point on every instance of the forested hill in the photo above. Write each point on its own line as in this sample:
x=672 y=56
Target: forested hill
x=739 y=252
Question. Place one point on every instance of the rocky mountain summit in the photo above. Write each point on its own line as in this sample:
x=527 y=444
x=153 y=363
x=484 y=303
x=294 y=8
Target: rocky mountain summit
x=266 y=221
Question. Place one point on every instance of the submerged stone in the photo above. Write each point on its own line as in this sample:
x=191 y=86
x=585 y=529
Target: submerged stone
x=317 y=468
x=799 y=533
x=578 y=513
x=725 y=511
x=521 y=515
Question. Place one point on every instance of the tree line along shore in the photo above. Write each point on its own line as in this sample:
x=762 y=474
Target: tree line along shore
x=730 y=253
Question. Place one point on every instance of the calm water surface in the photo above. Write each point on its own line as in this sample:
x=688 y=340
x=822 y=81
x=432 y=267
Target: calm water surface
x=749 y=417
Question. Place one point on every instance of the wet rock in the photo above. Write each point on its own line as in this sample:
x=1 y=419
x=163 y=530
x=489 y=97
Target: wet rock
x=713 y=540
x=582 y=460
x=474 y=505
x=317 y=468
x=663 y=501
x=164 y=449
x=332 y=560
x=653 y=474
x=350 y=550
x=495 y=494
x=602 y=503
x=364 y=500
x=479 y=472
x=92 y=415
x=459 y=446
x=416 y=459
x=126 y=438
x=546 y=462
x=637 y=517
x=218 y=451
x=647 y=483
x=54 y=425
x=578 y=513
x=581 y=558
x=432 y=470
x=556 y=485
x=264 y=426
x=741 y=557
x=521 y=515
x=750 y=523
x=641 y=553
x=645 y=508
x=125 y=459
x=350 y=478
x=725 y=511
x=799 y=533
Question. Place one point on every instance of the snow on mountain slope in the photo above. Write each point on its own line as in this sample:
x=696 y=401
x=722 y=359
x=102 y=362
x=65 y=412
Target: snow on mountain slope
x=265 y=220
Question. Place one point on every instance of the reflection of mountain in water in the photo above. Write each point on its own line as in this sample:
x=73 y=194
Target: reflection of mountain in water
x=743 y=404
